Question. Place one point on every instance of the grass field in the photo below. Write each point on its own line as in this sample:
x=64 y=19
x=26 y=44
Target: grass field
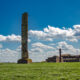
x=40 y=71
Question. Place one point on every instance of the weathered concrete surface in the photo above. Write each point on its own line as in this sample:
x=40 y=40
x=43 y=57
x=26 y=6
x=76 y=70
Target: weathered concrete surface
x=24 y=41
x=24 y=36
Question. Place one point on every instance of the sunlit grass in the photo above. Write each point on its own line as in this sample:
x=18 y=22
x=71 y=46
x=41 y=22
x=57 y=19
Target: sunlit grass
x=40 y=71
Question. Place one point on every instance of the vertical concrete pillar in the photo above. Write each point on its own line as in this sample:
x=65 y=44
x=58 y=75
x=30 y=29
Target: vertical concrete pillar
x=60 y=55
x=24 y=40
x=24 y=35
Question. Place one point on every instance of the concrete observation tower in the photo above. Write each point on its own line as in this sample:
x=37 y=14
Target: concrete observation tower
x=24 y=40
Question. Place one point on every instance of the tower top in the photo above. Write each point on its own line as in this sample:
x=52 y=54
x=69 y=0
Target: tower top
x=25 y=14
x=24 y=18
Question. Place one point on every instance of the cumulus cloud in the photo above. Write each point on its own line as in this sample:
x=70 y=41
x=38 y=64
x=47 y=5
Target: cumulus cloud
x=67 y=48
x=2 y=38
x=11 y=38
x=40 y=51
x=50 y=33
x=77 y=30
x=64 y=45
x=39 y=35
x=41 y=45
x=8 y=55
x=36 y=50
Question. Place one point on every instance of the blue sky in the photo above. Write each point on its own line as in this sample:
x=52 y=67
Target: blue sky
x=41 y=13
x=44 y=16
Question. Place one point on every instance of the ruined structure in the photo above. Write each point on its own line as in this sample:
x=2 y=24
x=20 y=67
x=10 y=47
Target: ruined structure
x=64 y=58
x=24 y=41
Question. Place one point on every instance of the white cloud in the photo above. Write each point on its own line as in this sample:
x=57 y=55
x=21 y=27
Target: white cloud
x=64 y=45
x=76 y=27
x=2 y=38
x=12 y=38
x=8 y=55
x=41 y=45
x=77 y=30
x=50 y=33
x=36 y=50
x=39 y=35
x=68 y=49
x=40 y=52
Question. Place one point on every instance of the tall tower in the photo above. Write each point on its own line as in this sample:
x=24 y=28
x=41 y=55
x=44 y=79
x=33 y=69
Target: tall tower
x=24 y=40
x=24 y=35
x=60 y=55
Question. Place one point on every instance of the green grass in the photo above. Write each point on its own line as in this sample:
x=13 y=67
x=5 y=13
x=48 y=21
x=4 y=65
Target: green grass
x=40 y=71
